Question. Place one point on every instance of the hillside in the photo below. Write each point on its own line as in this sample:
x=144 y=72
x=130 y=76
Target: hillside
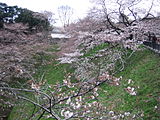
x=127 y=79
x=99 y=68
x=118 y=98
x=142 y=76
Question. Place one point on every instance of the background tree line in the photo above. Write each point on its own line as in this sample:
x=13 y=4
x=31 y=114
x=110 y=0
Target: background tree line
x=15 y=14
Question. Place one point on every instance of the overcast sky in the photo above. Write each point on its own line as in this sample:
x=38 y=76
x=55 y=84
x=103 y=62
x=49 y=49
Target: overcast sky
x=80 y=6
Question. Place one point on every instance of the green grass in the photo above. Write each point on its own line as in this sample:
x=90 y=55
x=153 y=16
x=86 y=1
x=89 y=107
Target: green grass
x=144 y=69
x=54 y=72
x=24 y=110
x=93 y=51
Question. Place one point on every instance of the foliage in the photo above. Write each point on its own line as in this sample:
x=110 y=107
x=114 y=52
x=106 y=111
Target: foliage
x=12 y=14
x=32 y=19
x=7 y=13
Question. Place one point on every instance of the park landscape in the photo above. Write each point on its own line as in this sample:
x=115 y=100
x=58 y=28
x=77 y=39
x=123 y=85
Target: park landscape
x=105 y=66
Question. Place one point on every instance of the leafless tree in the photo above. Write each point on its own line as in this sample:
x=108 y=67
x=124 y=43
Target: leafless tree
x=65 y=14
x=125 y=11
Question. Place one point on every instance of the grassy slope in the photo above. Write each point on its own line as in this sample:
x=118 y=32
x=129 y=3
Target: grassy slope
x=143 y=68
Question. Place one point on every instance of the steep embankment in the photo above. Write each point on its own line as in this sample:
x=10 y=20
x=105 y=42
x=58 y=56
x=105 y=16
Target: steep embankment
x=137 y=95
x=142 y=75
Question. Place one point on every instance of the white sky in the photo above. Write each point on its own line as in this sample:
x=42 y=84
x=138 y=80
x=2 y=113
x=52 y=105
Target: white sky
x=80 y=6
